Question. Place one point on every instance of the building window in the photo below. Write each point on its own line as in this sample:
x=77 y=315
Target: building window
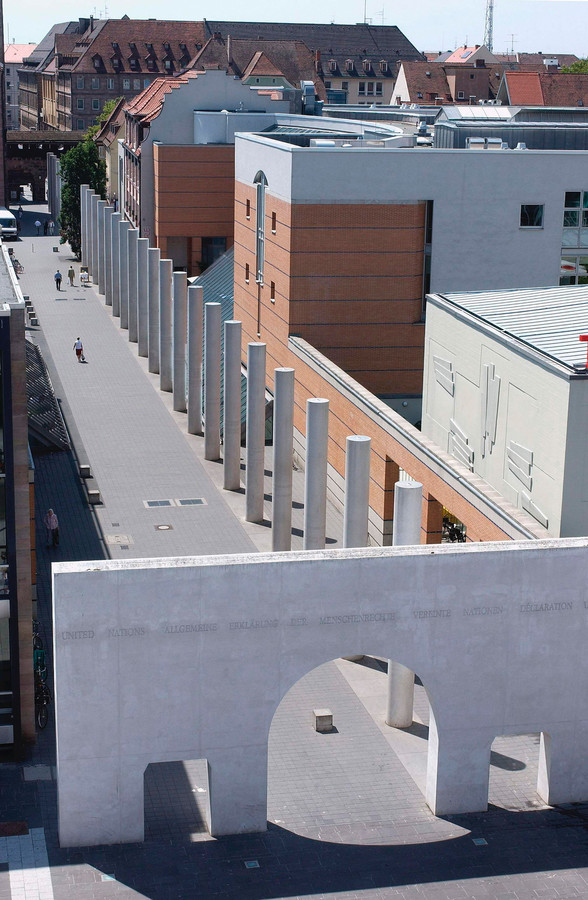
x=95 y=103
x=80 y=82
x=136 y=84
x=327 y=84
x=531 y=215
x=420 y=95
x=80 y=126
x=110 y=84
x=379 y=88
x=80 y=103
x=361 y=88
x=344 y=85
x=95 y=84
x=460 y=95
x=246 y=273
x=146 y=82
x=248 y=209
x=574 y=270
x=126 y=84
x=260 y=186
x=370 y=87
x=273 y=291
x=575 y=219
x=274 y=222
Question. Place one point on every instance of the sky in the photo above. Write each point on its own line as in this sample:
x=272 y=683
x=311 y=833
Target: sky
x=547 y=26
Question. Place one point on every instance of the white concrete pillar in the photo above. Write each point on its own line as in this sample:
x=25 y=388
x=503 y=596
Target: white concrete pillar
x=180 y=314
x=132 y=238
x=94 y=200
x=84 y=191
x=282 y=459
x=406 y=532
x=458 y=769
x=255 y=432
x=212 y=368
x=195 y=348
x=357 y=491
x=153 y=317
x=165 y=324
x=237 y=784
x=315 y=482
x=115 y=263
x=48 y=162
x=108 y=213
x=101 y=238
x=143 y=295
x=123 y=274
x=232 y=407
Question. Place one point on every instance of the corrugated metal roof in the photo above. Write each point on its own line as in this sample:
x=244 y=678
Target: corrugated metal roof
x=549 y=319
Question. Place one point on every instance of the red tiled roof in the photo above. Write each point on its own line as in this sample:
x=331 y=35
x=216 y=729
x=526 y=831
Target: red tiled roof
x=147 y=105
x=418 y=81
x=260 y=65
x=461 y=55
x=524 y=88
x=15 y=53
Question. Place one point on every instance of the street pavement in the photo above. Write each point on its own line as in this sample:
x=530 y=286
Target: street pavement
x=346 y=814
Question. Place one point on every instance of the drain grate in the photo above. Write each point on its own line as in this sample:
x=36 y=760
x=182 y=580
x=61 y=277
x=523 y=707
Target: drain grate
x=251 y=863
x=151 y=504
x=164 y=527
x=191 y=501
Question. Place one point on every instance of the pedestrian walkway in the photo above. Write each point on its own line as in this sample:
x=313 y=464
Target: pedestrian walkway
x=346 y=820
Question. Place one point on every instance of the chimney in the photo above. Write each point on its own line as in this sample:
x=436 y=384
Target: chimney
x=317 y=60
x=477 y=46
x=229 y=54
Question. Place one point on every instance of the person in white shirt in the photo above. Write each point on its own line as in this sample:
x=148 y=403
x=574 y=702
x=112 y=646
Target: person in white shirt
x=52 y=526
x=79 y=348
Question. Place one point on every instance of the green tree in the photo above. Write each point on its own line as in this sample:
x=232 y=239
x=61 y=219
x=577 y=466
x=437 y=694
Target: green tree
x=107 y=111
x=580 y=67
x=80 y=165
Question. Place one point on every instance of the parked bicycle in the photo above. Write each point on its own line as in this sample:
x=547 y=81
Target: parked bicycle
x=37 y=639
x=42 y=701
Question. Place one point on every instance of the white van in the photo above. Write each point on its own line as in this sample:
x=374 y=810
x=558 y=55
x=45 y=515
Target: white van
x=8 y=223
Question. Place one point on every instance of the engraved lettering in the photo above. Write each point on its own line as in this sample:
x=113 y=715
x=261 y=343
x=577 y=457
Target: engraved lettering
x=546 y=607
x=253 y=623
x=483 y=611
x=138 y=631
x=354 y=618
x=76 y=635
x=188 y=627
x=432 y=613
x=299 y=620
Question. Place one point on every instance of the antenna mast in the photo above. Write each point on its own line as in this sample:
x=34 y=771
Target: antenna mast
x=489 y=25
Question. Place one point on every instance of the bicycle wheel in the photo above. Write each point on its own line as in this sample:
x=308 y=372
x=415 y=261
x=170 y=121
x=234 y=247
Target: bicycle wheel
x=38 y=642
x=42 y=715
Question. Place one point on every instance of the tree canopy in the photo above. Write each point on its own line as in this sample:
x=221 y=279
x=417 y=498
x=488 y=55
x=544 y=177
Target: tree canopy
x=107 y=111
x=80 y=165
x=580 y=67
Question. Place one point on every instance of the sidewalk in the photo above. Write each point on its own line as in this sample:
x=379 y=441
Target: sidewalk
x=346 y=820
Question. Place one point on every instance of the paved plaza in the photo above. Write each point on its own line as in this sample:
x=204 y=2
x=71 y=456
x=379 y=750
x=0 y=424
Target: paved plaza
x=347 y=817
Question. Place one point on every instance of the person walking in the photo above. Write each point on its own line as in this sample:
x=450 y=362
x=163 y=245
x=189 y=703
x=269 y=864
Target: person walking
x=38 y=226
x=71 y=274
x=79 y=348
x=20 y=212
x=51 y=227
x=57 y=278
x=52 y=527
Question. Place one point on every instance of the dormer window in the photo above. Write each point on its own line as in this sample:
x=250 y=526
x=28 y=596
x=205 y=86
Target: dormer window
x=151 y=63
x=115 y=47
x=185 y=57
x=383 y=67
x=367 y=65
x=133 y=48
x=116 y=63
x=167 y=64
x=134 y=64
x=349 y=65
x=332 y=65
x=97 y=61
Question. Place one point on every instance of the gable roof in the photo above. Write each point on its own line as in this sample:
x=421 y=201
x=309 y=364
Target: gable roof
x=15 y=53
x=426 y=78
x=547 y=89
x=147 y=105
x=290 y=58
x=467 y=55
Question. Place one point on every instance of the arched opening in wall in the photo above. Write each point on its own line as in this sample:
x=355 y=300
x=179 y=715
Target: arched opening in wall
x=514 y=769
x=361 y=781
x=176 y=800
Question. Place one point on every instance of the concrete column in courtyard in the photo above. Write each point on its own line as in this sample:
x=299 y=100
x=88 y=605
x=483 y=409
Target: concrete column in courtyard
x=406 y=532
x=153 y=309
x=282 y=459
x=315 y=482
x=255 y=432
x=180 y=302
x=232 y=407
x=123 y=274
x=94 y=200
x=195 y=347
x=142 y=295
x=101 y=256
x=108 y=213
x=132 y=238
x=212 y=368
x=357 y=491
x=49 y=157
x=165 y=324
x=115 y=263
x=84 y=191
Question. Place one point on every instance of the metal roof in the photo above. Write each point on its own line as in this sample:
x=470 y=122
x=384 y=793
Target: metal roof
x=550 y=320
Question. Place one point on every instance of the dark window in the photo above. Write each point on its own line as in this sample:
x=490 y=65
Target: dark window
x=212 y=248
x=531 y=215
x=274 y=222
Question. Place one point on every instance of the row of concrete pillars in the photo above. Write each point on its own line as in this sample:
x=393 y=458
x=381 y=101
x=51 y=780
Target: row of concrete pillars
x=53 y=186
x=165 y=318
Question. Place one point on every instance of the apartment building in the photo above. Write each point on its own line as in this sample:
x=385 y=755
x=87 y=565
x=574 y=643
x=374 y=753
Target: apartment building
x=13 y=58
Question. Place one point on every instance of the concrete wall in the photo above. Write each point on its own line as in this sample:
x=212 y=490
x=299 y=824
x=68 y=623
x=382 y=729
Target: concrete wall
x=527 y=460
x=189 y=658
x=574 y=513
x=477 y=241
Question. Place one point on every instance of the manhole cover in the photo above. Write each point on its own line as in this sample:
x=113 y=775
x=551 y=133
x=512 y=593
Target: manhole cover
x=164 y=527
